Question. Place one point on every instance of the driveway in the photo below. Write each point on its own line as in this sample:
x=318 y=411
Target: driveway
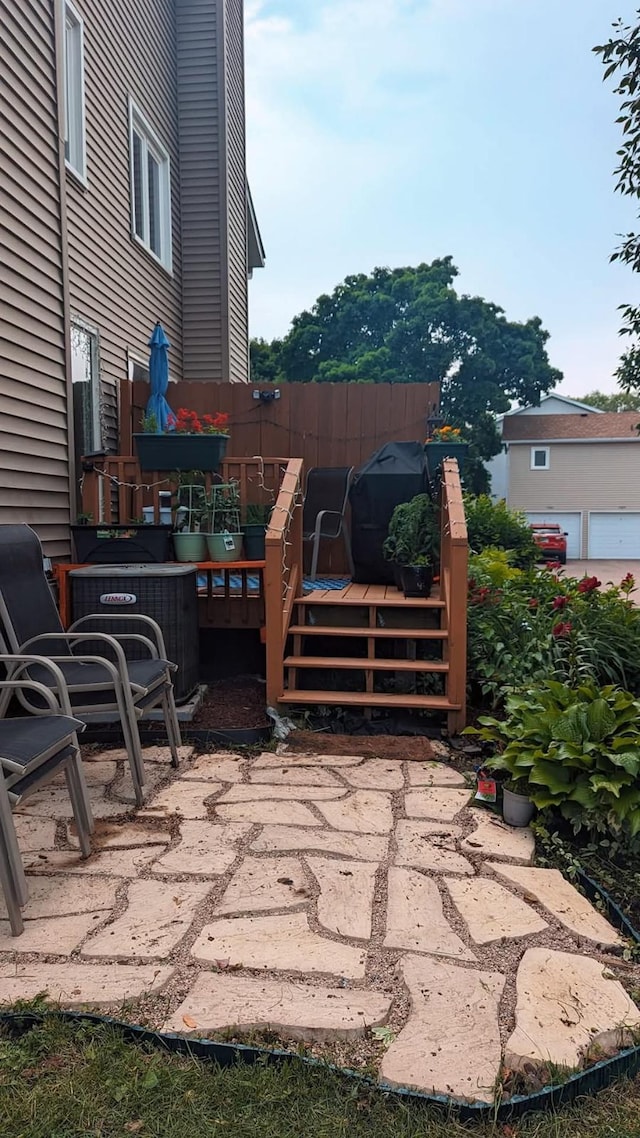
x=606 y=571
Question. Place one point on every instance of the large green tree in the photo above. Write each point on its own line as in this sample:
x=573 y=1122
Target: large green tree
x=612 y=400
x=621 y=58
x=410 y=325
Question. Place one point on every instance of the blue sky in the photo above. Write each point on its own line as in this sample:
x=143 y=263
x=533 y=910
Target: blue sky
x=390 y=132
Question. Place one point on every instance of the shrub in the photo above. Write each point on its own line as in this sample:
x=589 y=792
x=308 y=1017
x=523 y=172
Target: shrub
x=493 y=524
x=574 y=751
x=414 y=533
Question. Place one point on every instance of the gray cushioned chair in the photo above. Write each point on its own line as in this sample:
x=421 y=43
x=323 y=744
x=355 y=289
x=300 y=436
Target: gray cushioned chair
x=98 y=682
x=33 y=750
x=325 y=503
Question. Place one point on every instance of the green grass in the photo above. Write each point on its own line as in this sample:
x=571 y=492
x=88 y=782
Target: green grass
x=81 y=1081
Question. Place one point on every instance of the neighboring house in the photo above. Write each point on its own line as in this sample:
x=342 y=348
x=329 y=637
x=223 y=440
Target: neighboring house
x=581 y=470
x=123 y=200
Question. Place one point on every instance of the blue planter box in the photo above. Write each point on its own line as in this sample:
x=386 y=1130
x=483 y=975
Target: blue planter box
x=181 y=452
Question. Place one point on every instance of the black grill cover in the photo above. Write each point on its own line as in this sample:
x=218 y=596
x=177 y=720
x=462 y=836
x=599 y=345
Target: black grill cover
x=395 y=474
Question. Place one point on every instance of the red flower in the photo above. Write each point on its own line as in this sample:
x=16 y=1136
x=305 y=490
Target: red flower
x=628 y=583
x=534 y=603
x=481 y=595
x=562 y=629
x=471 y=583
x=589 y=584
x=553 y=565
x=560 y=602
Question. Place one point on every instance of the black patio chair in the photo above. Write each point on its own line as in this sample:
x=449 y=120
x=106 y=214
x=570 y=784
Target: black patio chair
x=98 y=684
x=325 y=504
x=33 y=750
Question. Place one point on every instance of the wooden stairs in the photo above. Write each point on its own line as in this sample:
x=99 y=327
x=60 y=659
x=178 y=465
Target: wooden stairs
x=373 y=648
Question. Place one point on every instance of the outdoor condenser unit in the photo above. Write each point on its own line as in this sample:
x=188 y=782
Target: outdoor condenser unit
x=167 y=593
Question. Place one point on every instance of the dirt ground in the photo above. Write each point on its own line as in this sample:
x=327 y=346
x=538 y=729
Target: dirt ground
x=370 y=746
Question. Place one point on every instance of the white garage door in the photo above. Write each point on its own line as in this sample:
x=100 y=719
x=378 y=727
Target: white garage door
x=614 y=535
x=570 y=523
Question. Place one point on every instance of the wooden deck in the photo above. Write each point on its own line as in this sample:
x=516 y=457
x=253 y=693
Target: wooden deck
x=367 y=646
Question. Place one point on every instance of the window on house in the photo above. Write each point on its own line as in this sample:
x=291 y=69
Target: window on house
x=539 y=458
x=150 y=189
x=85 y=379
x=74 y=137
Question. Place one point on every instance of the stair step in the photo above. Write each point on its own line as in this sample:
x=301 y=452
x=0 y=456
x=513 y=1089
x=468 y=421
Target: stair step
x=397 y=601
x=377 y=633
x=370 y=699
x=366 y=665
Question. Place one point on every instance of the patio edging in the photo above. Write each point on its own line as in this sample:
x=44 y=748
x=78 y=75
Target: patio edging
x=594 y=1079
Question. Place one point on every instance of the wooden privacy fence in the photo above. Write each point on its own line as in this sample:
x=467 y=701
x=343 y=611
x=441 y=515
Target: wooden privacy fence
x=324 y=424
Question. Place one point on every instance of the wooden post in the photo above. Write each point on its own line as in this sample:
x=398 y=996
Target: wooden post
x=456 y=592
x=273 y=617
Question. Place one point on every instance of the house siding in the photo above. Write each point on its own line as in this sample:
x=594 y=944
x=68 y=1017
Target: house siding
x=236 y=192
x=582 y=476
x=114 y=283
x=34 y=428
x=200 y=110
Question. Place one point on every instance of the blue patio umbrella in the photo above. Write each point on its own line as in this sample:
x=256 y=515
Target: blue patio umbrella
x=159 y=377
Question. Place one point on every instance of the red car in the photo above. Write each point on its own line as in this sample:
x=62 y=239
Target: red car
x=552 y=541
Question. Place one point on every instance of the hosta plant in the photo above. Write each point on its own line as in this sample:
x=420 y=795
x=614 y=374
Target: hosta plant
x=573 y=751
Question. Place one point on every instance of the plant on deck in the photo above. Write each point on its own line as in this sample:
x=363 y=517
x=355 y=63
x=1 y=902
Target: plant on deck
x=414 y=533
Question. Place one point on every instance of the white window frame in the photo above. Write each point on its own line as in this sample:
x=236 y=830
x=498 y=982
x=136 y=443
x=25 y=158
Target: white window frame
x=151 y=144
x=93 y=333
x=74 y=98
x=134 y=360
x=539 y=450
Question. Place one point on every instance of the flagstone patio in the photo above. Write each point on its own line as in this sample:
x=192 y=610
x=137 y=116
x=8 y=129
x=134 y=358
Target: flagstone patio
x=318 y=897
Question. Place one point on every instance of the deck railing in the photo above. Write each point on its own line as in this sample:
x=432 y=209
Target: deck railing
x=454 y=554
x=283 y=573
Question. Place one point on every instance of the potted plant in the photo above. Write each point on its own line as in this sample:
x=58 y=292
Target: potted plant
x=190 y=442
x=189 y=537
x=224 y=542
x=255 y=529
x=517 y=807
x=444 y=442
x=412 y=544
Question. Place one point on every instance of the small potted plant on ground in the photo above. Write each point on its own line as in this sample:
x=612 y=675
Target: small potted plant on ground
x=412 y=544
x=224 y=542
x=255 y=529
x=190 y=442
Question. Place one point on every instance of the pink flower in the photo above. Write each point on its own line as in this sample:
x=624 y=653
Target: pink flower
x=534 y=603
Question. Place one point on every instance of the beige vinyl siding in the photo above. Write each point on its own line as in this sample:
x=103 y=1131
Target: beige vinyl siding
x=115 y=284
x=34 y=453
x=581 y=476
x=236 y=192
x=200 y=108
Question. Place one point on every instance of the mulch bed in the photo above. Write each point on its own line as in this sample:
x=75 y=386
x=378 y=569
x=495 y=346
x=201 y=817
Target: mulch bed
x=233 y=703
x=371 y=746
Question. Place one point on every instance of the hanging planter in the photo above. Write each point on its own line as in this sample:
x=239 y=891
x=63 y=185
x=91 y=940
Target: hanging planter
x=181 y=452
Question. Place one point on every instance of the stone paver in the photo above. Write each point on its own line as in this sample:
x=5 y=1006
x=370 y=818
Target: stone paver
x=184 y=798
x=440 y=803
x=433 y=774
x=567 y=1006
x=268 y=811
x=216 y=768
x=121 y=835
x=158 y=915
x=558 y=896
x=295 y=776
x=415 y=918
x=160 y=755
x=364 y=812
x=492 y=838
x=346 y=895
x=155 y=775
x=295 y=760
x=265 y=883
x=34 y=833
x=115 y=863
x=61 y=895
x=491 y=912
x=217 y=1001
x=204 y=848
x=367 y=847
x=451 y=1042
x=278 y=942
x=74 y=984
x=430 y=845
x=97 y=773
x=57 y=936
x=54 y=802
x=376 y=774
x=256 y=792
